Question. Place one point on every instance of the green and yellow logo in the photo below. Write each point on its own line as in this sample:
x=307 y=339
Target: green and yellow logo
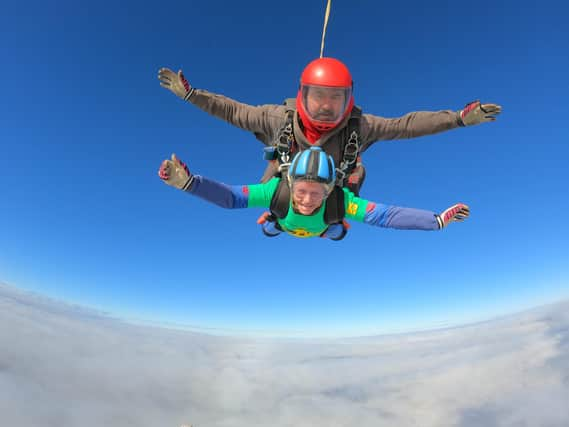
x=302 y=232
x=352 y=208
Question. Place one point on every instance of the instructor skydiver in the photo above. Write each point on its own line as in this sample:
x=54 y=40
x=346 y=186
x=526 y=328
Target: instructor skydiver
x=324 y=115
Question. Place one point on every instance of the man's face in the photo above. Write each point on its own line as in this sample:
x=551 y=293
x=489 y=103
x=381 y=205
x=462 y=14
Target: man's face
x=307 y=196
x=325 y=104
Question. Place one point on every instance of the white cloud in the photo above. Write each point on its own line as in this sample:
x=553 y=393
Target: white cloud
x=62 y=366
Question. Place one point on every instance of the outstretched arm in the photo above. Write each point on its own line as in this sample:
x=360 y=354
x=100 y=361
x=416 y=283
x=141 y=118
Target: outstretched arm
x=413 y=219
x=175 y=173
x=401 y=218
x=265 y=119
x=420 y=123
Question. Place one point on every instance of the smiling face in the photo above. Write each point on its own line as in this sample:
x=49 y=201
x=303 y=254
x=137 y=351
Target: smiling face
x=307 y=196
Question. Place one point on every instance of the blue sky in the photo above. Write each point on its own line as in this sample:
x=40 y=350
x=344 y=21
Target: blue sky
x=84 y=125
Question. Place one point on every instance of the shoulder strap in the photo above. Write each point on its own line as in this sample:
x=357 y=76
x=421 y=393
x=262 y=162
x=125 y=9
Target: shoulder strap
x=290 y=104
x=281 y=200
x=354 y=121
x=350 y=141
x=283 y=145
x=335 y=208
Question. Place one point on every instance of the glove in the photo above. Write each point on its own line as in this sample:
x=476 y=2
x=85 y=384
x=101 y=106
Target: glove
x=175 y=173
x=475 y=113
x=458 y=212
x=177 y=83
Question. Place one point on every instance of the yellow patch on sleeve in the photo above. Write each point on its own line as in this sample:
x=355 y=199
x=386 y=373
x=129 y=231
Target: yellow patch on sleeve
x=352 y=208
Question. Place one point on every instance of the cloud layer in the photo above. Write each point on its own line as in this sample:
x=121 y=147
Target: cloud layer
x=63 y=366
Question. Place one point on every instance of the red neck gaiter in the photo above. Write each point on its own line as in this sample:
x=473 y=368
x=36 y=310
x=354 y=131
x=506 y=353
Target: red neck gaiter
x=310 y=132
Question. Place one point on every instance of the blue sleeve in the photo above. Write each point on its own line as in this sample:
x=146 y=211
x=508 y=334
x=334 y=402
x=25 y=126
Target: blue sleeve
x=400 y=218
x=222 y=195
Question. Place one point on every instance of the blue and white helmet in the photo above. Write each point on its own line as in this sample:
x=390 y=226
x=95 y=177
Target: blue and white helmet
x=315 y=165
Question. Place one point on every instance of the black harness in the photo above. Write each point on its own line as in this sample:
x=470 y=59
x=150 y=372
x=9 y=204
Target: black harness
x=349 y=172
x=345 y=155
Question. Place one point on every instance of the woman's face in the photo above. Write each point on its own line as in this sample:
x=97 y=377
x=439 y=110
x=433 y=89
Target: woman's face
x=307 y=196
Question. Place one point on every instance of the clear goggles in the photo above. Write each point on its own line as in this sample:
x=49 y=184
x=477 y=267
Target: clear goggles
x=324 y=103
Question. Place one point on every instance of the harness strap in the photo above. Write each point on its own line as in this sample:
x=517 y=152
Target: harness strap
x=285 y=139
x=351 y=146
x=285 y=145
x=281 y=200
x=335 y=209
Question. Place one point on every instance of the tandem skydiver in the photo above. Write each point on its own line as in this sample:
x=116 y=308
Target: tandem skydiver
x=304 y=191
x=323 y=114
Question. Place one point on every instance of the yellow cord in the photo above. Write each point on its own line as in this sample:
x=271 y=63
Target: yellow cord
x=325 y=25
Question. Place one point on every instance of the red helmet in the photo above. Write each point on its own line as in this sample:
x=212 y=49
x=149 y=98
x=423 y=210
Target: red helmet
x=325 y=96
